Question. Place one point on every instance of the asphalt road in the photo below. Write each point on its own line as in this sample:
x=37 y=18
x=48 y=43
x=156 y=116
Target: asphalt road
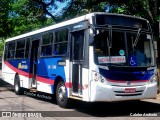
x=48 y=109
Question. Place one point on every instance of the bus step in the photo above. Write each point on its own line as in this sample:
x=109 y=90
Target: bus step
x=76 y=98
x=33 y=89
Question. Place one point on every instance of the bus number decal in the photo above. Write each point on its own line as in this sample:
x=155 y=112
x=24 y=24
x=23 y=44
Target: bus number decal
x=51 y=66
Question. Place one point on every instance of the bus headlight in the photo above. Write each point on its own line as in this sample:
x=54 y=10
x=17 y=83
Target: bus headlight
x=97 y=77
x=153 y=79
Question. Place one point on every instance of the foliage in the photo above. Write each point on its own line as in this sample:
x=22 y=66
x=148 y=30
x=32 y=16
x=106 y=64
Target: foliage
x=81 y=7
x=27 y=16
x=5 y=23
x=1 y=46
x=21 y=16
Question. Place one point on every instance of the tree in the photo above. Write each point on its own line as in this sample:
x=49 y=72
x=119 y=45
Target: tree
x=49 y=7
x=27 y=16
x=5 y=23
x=143 y=8
x=21 y=16
x=81 y=7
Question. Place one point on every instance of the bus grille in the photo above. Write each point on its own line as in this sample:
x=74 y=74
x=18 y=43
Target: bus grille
x=123 y=93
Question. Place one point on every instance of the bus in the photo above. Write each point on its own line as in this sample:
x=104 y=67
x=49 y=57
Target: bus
x=99 y=56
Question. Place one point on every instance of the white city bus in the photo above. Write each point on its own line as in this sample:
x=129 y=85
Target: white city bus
x=95 y=57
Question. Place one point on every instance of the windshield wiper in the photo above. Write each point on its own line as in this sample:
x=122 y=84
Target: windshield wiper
x=137 y=37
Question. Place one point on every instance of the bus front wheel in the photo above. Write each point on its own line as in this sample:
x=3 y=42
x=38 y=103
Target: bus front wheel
x=17 y=88
x=61 y=95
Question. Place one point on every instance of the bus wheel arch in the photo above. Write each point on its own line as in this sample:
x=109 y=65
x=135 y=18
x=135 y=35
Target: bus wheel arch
x=61 y=93
x=17 y=87
x=57 y=80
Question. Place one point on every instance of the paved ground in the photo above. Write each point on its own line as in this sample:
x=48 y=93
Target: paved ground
x=79 y=110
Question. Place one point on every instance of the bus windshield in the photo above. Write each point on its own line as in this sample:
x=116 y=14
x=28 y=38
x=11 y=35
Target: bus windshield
x=123 y=48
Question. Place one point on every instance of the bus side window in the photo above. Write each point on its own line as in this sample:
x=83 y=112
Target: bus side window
x=46 y=46
x=20 y=48
x=5 y=51
x=27 y=48
x=11 y=50
x=61 y=42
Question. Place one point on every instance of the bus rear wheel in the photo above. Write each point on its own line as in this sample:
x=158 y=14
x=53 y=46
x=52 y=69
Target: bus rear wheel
x=17 y=89
x=61 y=95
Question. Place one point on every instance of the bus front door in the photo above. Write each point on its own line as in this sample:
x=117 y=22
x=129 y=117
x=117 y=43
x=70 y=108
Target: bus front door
x=33 y=61
x=77 y=60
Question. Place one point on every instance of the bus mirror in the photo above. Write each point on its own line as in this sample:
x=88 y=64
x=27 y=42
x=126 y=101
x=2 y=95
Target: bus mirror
x=91 y=38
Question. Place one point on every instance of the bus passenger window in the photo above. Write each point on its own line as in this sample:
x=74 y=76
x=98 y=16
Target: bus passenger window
x=61 y=42
x=20 y=49
x=46 y=46
x=11 y=54
x=11 y=50
x=5 y=51
x=46 y=50
x=27 y=48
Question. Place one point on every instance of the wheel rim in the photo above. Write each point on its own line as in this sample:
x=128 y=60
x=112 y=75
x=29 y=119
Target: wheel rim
x=61 y=93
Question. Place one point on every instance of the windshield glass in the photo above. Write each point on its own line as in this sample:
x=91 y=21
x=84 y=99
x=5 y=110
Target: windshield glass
x=140 y=53
x=101 y=44
x=119 y=48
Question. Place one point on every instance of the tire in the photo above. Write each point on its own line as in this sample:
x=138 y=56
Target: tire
x=61 y=95
x=17 y=89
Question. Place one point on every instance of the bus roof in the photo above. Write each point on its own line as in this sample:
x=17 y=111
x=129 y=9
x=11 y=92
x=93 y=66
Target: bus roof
x=68 y=22
x=65 y=23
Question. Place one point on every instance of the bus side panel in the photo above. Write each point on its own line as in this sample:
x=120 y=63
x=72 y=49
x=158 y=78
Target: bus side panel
x=47 y=71
x=68 y=80
x=7 y=73
x=24 y=81
x=20 y=67
x=85 y=84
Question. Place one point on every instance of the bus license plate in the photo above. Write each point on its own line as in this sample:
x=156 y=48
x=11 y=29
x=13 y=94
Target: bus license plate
x=130 y=90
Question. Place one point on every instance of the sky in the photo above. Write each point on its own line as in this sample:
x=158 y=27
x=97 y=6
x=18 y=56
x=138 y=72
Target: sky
x=60 y=5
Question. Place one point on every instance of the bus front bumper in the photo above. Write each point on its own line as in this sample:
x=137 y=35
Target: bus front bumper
x=102 y=92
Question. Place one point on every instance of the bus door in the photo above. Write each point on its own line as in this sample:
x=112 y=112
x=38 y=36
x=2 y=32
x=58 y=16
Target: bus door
x=33 y=61
x=77 y=60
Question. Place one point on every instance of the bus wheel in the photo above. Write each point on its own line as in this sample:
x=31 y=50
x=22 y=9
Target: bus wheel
x=61 y=95
x=17 y=88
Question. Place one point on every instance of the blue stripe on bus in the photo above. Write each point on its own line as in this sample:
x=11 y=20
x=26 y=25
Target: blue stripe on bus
x=124 y=75
x=48 y=68
x=21 y=64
